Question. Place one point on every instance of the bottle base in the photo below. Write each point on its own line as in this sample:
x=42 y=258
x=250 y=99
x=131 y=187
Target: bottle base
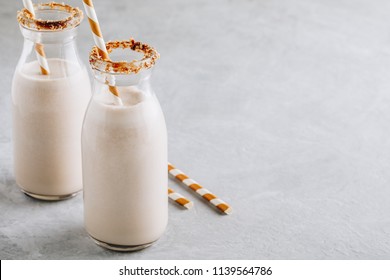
x=121 y=248
x=50 y=197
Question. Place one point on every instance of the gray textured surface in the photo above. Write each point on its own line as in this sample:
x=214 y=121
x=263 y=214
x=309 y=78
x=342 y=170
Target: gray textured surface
x=280 y=107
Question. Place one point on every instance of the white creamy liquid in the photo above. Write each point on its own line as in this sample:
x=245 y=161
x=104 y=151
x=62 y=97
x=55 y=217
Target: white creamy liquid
x=125 y=168
x=48 y=112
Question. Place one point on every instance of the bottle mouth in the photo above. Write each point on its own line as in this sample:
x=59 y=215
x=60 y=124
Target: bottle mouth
x=50 y=17
x=124 y=66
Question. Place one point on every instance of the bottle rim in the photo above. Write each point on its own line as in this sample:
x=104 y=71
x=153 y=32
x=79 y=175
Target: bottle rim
x=150 y=55
x=27 y=20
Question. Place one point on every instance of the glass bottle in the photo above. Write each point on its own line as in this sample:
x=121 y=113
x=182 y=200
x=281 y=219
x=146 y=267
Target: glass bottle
x=124 y=150
x=48 y=107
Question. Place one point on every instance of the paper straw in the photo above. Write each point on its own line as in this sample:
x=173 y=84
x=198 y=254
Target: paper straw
x=206 y=194
x=179 y=199
x=39 y=50
x=29 y=6
x=42 y=59
x=98 y=39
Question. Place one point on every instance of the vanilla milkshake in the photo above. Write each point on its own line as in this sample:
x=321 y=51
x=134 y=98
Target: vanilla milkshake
x=50 y=94
x=124 y=150
x=124 y=165
x=47 y=117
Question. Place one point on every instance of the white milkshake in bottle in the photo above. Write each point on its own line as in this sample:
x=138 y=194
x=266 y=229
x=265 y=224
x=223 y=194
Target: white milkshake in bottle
x=124 y=148
x=48 y=108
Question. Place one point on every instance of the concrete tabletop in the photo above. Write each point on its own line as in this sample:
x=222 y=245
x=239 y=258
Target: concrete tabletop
x=280 y=107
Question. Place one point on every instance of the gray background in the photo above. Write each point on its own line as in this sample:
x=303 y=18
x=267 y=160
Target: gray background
x=282 y=108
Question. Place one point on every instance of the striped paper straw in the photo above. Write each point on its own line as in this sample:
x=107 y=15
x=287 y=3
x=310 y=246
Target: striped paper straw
x=29 y=6
x=206 y=194
x=40 y=52
x=99 y=41
x=42 y=59
x=179 y=199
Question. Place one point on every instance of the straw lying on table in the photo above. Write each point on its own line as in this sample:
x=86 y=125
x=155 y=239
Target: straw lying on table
x=179 y=199
x=99 y=41
x=39 y=50
x=206 y=194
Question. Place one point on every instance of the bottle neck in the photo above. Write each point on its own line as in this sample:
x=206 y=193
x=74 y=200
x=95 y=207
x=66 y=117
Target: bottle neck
x=124 y=83
x=140 y=79
x=49 y=37
x=57 y=45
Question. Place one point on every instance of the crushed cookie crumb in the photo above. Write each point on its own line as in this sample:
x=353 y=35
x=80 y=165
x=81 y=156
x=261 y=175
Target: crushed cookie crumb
x=150 y=55
x=26 y=19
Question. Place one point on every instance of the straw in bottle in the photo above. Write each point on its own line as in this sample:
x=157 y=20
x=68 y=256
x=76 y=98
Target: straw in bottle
x=194 y=186
x=39 y=50
x=99 y=41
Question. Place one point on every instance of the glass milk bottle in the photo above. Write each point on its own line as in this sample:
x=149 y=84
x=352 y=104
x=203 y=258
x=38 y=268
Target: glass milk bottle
x=124 y=148
x=50 y=93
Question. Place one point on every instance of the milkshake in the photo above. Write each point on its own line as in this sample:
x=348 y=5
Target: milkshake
x=47 y=119
x=50 y=93
x=124 y=150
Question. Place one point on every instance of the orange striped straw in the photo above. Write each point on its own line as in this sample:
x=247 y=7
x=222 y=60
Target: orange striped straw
x=99 y=41
x=39 y=50
x=179 y=199
x=206 y=194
